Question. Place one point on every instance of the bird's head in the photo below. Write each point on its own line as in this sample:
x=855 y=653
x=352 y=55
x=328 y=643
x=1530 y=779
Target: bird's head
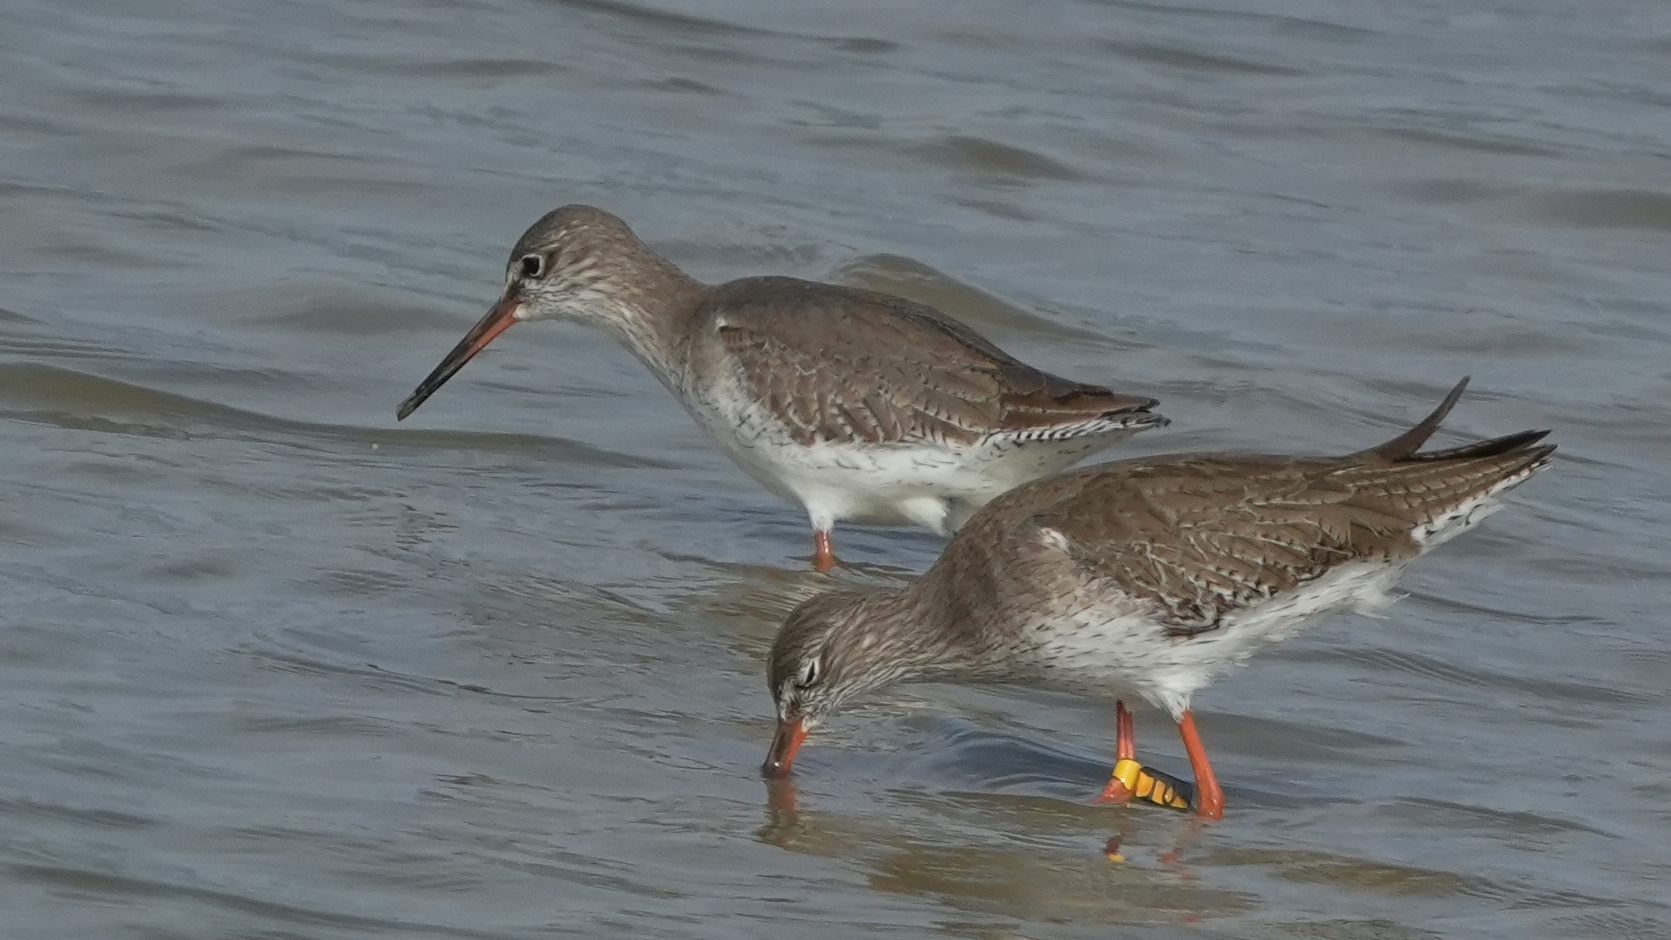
x=831 y=648
x=575 y=263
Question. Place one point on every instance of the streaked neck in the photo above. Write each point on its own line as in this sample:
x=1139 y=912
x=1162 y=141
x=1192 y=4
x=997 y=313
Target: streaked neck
x=646 y=304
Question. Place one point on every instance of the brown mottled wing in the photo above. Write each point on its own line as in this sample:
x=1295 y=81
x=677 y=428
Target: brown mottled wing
x=1202 y=537
x=839 y=364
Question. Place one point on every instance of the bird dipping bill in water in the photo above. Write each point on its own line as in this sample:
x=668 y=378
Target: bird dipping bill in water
x=858 y=405
x=1145 y=577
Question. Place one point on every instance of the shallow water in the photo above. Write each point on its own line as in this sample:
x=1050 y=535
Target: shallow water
x=272 y=665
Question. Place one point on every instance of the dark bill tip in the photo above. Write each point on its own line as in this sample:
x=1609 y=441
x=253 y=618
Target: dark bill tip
x=498 y=319
x=785 y=743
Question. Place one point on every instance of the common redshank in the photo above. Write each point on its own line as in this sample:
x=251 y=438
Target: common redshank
x=1145 y=577
x=856 y=404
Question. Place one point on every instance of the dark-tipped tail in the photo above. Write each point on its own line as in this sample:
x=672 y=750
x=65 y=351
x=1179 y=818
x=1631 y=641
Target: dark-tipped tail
x=1521 y=444
x=1406 y=445
x=1507 y=444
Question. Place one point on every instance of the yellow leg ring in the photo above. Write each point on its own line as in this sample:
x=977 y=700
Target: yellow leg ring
x=1158 y=788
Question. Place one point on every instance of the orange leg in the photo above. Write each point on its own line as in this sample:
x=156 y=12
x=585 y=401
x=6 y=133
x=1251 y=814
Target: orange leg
x=1209 y=797
x=1125 y=748
x=1125 y=734
x=1133 y=781
x=823 y=558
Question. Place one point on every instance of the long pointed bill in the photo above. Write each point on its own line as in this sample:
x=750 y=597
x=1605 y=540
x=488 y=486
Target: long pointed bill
x=785 y=743
x=498 y=320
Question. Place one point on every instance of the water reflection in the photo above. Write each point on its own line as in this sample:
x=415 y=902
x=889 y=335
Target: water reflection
x=1015 y=875
x=783 y=815
x=264 y=649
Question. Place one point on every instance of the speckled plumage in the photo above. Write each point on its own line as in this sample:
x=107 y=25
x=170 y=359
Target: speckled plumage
x=839 y=364
x=857 y=404
x=1149 y=576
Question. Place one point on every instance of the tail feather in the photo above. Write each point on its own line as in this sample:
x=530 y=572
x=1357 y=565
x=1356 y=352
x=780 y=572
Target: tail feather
x=1404 y=446
x=1506 y=444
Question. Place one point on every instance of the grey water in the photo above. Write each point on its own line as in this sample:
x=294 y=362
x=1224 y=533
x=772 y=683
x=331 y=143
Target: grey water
x=274 y=666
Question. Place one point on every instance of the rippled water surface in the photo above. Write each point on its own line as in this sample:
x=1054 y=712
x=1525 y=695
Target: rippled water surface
x=272 y=665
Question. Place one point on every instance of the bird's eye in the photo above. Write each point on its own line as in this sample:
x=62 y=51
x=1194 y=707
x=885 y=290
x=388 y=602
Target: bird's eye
x=532 y=265
x=808 y=674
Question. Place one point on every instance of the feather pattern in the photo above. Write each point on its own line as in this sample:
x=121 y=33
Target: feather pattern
x=839 y=365
x=1151 y=576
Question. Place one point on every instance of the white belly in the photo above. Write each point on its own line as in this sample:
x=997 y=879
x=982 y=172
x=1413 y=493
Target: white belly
x=937 y=486
x=1113 y=651
x=884 y=485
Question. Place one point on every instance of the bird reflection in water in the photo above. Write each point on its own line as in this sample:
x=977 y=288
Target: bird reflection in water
x=784 y=827
x=782 y=812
